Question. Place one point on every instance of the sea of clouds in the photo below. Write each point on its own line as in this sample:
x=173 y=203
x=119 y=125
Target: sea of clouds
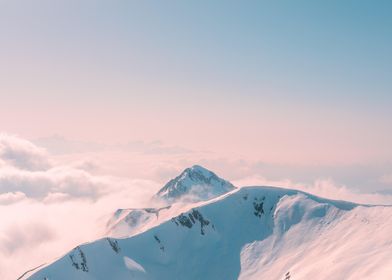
x=46 y=207
x=52 y=200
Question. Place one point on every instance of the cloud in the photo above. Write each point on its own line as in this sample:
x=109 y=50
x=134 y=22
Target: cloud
x=38 y=184
x=326 y=188
x=19 y=237
x=28 y=171
x=11 y=197
x=22 y=154
x=37 y=231
x=330 y=189
x=48 y=206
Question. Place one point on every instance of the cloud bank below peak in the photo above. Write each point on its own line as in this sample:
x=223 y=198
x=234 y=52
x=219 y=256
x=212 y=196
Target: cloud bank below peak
x=22 y=154
x=27 y=171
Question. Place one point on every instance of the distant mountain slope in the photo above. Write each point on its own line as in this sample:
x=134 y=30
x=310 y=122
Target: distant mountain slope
x=252 y=233
x=126 y=222
x=194 y=183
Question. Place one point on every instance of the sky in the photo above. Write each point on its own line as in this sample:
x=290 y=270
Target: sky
x=102 y=102
x=291 y=82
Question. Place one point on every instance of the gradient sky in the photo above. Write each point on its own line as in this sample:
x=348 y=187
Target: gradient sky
x=285 y=82
x=126 y=94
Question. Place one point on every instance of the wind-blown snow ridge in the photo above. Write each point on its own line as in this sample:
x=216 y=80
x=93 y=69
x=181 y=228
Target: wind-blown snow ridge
x=252 y=233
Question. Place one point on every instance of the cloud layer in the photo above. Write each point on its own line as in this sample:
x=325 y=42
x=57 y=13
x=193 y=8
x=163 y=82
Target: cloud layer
x=48 y=207
x=27 y=171
x=50 y=202
x=22 y=154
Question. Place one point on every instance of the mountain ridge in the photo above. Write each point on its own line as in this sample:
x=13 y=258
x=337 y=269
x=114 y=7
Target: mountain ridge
x=194 y=184
x=223 y=232
x=226 y=232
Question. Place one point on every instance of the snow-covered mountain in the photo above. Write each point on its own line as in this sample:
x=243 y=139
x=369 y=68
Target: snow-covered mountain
x=250 y=233
x=195 y=184
x=126 y=222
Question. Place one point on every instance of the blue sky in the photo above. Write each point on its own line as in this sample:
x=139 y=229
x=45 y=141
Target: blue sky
x=313 y=51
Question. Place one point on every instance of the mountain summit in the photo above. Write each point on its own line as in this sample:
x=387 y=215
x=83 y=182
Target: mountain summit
x=194 y=183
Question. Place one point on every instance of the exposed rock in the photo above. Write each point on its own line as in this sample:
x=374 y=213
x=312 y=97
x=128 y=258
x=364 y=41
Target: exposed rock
x=78 y=259
x=114 y=244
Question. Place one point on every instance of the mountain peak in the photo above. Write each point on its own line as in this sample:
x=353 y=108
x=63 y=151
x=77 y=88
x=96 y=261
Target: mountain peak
x=196 y=183
x=198 y=169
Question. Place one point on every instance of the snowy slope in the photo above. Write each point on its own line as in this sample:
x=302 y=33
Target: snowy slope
x=195 y=183
x=126 y=222
x=252 y=233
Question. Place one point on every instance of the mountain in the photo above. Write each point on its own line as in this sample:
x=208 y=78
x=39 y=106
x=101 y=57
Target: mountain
x=194 y=184
x=250 y=233
x=126 y=222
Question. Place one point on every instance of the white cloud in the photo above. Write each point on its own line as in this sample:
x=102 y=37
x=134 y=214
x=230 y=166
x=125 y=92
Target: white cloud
x=39 y=184
x=28 y=170
x=11 y=197
x=22 y=154
x=18 y=237
x=326 y=188
x=49 y=206
x=58 y=222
